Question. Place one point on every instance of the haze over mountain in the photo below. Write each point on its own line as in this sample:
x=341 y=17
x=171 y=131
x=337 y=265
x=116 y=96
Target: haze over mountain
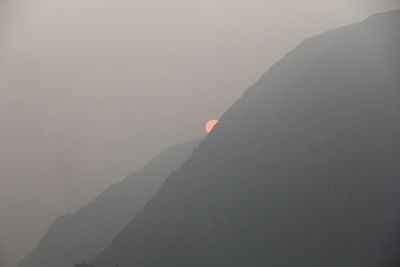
x=91 y=90
x=78 y=237
x=301 y=171
x=3 y=261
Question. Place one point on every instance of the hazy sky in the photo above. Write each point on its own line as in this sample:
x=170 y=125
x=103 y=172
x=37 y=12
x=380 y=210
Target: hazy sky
x=90 y=90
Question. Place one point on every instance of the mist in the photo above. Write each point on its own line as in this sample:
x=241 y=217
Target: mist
x=91 y=90
x=3 y=261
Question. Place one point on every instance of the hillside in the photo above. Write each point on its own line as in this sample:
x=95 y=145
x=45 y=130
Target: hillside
x=301 y=171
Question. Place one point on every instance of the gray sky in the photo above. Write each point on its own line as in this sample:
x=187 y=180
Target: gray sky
x=90 y=90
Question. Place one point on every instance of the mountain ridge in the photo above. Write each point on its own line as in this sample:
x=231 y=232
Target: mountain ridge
x=76 y=237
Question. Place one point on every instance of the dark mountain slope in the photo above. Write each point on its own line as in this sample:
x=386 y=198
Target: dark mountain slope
x=78 y=237
x=301 y=171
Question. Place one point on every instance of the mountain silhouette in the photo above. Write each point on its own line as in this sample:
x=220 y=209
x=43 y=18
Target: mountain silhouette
x=80 y=236
x=301 y=171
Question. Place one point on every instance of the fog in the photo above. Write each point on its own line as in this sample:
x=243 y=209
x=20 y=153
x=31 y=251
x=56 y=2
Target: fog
x=91 y=90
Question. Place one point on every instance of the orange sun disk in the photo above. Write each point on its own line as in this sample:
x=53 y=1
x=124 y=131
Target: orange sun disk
x=210 y=125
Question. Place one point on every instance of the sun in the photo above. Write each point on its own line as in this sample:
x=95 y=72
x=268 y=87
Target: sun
x=210 y=125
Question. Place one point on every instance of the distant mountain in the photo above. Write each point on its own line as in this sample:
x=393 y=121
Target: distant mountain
x=80 y=236
x=303 y=170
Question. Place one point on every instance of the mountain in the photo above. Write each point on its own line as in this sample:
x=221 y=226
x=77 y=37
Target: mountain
x=301 y=171
x=80 y=236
